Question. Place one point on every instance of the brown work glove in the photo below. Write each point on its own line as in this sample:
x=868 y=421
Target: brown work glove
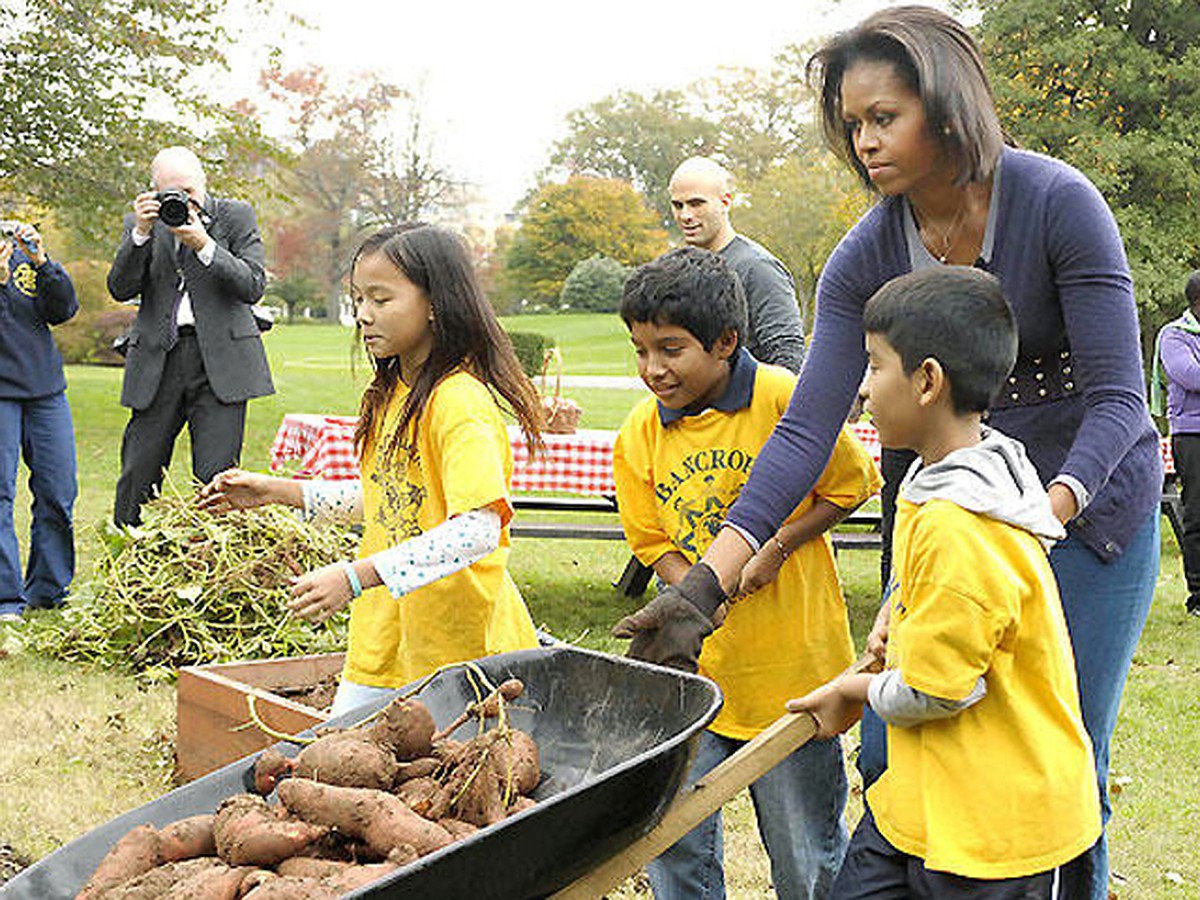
x=671 y=628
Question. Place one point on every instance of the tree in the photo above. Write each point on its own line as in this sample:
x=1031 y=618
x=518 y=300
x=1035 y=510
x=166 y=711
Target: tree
x=1113 y=87
x=345 y=174
x=636 y=139
x=93 y=87
x=566 y=223
x=594 y=285
x=763 y=116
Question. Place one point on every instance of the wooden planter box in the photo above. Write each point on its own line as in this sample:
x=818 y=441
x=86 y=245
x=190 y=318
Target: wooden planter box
x=211 y=708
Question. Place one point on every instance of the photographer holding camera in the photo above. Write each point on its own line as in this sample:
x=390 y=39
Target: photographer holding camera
x=35 y=421
x=194 y=355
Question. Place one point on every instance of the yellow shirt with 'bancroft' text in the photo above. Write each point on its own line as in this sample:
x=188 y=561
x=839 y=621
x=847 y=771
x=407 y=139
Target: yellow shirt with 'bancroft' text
x=675 y=484
x=461 y=461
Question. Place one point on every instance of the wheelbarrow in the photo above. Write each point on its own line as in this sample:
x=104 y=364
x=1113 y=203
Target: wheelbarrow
x=616 y=738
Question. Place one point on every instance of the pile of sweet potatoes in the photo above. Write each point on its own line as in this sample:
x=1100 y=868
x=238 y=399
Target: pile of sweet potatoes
x=353 y=805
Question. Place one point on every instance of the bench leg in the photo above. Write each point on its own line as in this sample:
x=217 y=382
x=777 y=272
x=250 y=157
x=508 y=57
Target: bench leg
x=634 y=579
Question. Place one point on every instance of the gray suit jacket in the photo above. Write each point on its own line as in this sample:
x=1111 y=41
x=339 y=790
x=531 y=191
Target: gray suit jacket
x=221 y=295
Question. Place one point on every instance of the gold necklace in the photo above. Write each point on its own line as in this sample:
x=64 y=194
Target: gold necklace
x=950 y=233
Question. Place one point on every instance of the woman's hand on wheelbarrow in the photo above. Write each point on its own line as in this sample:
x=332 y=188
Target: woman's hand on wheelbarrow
x=671 y=628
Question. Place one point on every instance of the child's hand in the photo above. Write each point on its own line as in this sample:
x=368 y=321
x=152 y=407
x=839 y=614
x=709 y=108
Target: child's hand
x=319 y=594
x=761 y=570
x=834 y=711
x=877 y=639
x=235 y=489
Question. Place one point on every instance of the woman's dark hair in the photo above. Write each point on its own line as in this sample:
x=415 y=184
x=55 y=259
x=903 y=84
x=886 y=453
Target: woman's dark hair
x=955 y=314
x=690 y=288
x=939 y=61
x=466 y=334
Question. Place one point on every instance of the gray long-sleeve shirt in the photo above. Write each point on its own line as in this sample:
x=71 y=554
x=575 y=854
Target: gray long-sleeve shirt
x=776 y=331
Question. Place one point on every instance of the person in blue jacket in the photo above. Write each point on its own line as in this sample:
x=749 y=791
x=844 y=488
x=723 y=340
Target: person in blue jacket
x=35 y=422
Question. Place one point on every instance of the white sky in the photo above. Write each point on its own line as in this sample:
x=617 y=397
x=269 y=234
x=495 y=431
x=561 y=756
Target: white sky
x=500 y=77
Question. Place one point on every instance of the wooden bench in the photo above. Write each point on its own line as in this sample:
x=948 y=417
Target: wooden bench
x=849 y=535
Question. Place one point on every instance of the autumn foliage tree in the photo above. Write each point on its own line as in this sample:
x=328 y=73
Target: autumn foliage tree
x=345 y=174
x=566 y=223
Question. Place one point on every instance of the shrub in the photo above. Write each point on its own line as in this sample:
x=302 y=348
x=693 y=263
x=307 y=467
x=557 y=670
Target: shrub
x=531 y=348
x=594 y=285
x=88 y=336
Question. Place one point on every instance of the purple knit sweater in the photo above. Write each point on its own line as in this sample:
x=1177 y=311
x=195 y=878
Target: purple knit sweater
x=1053 y=243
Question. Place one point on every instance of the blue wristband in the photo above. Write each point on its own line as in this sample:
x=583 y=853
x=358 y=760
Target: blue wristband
x=352 y=577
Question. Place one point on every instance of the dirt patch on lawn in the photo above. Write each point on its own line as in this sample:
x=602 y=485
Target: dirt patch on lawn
x=11 y=862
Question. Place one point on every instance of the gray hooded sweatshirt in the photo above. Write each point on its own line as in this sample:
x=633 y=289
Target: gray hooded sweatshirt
x=994 y=478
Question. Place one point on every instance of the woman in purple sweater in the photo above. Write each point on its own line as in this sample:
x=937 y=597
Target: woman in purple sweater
x=905 y=102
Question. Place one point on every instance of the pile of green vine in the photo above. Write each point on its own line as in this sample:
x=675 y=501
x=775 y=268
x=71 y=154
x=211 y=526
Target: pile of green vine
x=187 y=587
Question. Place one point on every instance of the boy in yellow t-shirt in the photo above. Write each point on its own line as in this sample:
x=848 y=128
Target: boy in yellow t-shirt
x=680 y=461
x=990 y=790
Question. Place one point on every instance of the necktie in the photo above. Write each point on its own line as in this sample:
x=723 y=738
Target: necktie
x=171 y=323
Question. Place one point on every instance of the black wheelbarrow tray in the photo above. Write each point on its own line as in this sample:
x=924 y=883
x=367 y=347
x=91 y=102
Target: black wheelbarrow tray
x=615 y=737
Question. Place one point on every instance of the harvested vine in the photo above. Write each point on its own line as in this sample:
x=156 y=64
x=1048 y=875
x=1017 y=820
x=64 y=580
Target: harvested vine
x=187 y=587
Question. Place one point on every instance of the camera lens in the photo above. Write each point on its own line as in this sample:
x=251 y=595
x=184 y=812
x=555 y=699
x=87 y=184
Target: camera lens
x=173 y=207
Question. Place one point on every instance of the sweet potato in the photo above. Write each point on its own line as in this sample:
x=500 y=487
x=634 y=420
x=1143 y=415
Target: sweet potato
x=474 y=789
x=293 y=889
x=311 y=867
x=217 y=883
x=376 y=817
x=269 y=769
x=520 y=804
x=458 y=828
x=406 y=727
x=187 y=839
x=348 y=761
x=424 y=796
x=249 y=832
x=515 y=757
x=133 y=855
x=158 y=882
x=419 y=768
x=356 y=876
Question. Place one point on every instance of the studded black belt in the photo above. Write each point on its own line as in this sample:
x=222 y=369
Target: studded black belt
x=1038 y=379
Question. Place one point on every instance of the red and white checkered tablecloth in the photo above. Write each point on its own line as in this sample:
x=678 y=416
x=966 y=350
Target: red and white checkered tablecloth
x=579 y=463
x=324 y=445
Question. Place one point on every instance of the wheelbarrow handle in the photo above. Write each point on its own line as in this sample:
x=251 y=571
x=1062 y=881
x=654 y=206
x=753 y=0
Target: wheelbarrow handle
x=696 y=803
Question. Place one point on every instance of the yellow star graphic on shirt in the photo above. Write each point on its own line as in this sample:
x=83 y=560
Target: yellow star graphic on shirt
x=25 y=278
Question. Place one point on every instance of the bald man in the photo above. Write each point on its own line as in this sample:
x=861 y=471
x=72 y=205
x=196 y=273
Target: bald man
x=701 y=196
x=194 y=355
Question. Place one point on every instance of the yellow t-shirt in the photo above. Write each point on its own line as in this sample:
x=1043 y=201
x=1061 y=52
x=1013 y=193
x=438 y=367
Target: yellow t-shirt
x=674 y=487
x=1007 y=787
x=462 y=461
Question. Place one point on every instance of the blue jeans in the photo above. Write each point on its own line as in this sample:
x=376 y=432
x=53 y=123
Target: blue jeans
x=40 y=431
x=351 y=695
x=799 y=805
x=1106 y=605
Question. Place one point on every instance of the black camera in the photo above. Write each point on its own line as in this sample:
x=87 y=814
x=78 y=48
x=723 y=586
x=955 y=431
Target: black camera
x=9 y=229
x=173 y=206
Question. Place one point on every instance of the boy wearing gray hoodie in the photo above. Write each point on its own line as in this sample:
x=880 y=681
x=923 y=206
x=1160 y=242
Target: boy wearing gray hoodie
x=990 y=787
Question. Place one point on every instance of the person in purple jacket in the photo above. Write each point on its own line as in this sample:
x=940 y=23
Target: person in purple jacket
x=904 y=100
x=35 y=422
x=1177 y=368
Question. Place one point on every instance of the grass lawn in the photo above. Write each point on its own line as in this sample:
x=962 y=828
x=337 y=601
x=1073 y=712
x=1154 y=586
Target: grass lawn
x=81 y=746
